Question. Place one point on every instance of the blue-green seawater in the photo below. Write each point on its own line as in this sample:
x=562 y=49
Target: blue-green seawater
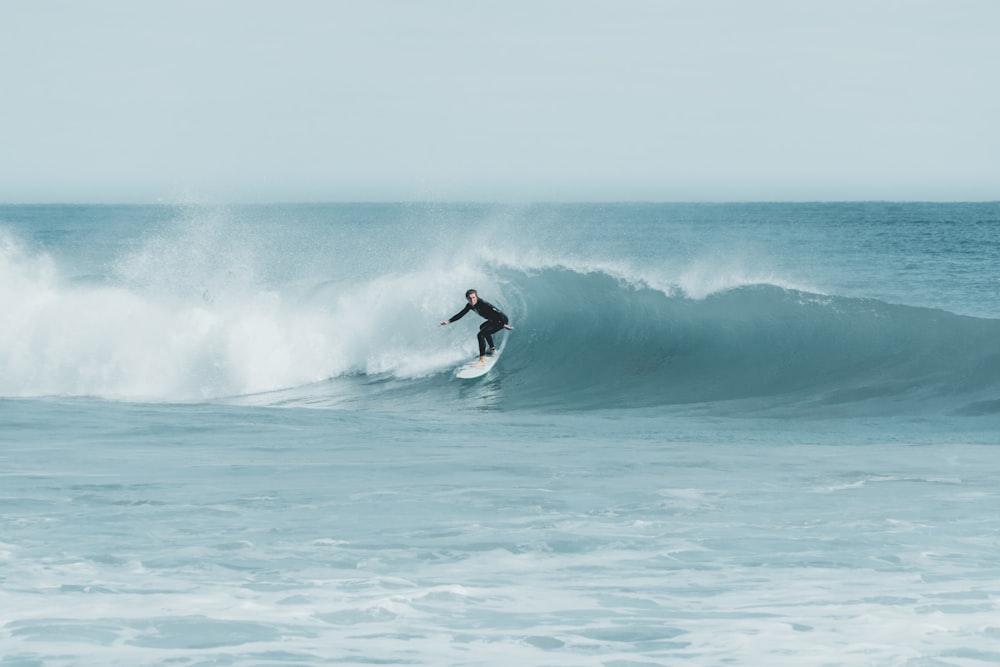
x=747 y=434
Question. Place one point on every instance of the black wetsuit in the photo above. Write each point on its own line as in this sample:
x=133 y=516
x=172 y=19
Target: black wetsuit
x=495 y=321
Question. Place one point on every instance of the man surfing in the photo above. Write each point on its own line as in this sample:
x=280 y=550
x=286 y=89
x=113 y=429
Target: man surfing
x=495 y=321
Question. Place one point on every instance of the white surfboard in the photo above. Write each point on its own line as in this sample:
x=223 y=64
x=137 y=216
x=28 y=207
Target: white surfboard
x=474 y=368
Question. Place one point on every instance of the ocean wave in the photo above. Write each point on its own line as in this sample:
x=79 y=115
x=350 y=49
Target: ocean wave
x=588 y=335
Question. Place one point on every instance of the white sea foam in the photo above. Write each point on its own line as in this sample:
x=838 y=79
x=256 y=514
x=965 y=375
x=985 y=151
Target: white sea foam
x=272 y=545
x=178 y=326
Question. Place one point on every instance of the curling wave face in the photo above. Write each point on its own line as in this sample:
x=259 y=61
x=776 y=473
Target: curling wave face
x=616 y=345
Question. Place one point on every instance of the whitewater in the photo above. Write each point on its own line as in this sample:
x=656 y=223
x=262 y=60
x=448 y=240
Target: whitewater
x=719 y=434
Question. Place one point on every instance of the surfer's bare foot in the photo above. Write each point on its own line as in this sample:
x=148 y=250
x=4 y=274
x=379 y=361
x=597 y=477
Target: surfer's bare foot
x=482 y=360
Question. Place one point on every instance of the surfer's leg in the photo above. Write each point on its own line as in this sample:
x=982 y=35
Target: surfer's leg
x=485 y=337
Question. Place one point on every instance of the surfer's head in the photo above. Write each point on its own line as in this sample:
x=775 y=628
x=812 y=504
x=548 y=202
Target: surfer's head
x=471 y=296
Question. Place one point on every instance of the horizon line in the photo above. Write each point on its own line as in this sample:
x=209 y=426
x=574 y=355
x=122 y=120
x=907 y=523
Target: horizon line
x=485 y=202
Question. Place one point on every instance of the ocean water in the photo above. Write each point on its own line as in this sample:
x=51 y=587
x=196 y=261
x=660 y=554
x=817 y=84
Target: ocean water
x=720 y=434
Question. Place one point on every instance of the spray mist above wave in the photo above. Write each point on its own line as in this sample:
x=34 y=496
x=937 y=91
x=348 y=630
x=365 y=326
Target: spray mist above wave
x=119 y=341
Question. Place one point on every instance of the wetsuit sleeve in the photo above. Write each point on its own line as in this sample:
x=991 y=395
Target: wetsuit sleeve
x=460 y=315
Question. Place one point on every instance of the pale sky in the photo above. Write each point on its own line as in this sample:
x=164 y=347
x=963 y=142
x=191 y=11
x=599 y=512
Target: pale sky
x=519 y=100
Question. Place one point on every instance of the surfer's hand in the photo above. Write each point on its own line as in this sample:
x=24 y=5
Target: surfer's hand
x=507 y=326
x=444 y=323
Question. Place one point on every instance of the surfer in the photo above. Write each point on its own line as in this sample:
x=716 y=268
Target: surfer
x=495 y=321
